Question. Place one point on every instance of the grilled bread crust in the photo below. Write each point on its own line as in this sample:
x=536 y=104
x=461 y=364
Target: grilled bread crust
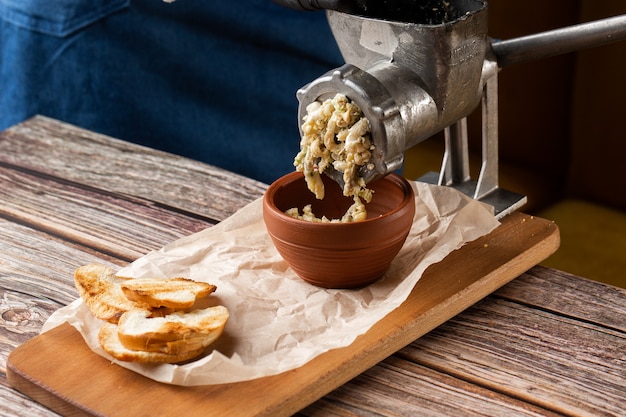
x=100 y=290
x=176 y=293
x=173 y=333
x=111 y=343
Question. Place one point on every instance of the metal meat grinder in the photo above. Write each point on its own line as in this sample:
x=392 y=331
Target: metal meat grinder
x=416 y=67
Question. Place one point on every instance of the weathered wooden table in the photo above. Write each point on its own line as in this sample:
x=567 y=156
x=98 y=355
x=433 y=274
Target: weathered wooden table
x=547 y=343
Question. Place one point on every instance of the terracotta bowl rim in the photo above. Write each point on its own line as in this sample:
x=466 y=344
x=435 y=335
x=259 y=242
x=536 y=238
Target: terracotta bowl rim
x=401 y=182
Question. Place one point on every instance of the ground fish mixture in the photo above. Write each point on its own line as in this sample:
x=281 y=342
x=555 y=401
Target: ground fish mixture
x=335 y=133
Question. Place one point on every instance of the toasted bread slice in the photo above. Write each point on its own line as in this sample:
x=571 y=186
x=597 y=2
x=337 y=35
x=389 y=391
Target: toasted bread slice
x=110 y=342
x=100 y=290
x=175 y=332
x=176 y=293
x=174 y=347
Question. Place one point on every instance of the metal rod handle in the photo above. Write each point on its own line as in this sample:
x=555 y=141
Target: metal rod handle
x=559 y=41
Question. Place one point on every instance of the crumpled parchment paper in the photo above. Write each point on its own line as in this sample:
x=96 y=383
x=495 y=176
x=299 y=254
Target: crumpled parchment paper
x=277 y=321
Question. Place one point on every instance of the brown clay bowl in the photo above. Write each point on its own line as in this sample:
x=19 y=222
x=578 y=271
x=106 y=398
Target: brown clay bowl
x=339 y=255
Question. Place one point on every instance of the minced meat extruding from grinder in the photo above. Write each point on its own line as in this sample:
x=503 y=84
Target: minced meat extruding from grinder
x=335 y=133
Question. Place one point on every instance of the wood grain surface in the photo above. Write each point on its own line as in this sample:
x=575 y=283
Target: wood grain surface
x=464 y=277
x=548 y=343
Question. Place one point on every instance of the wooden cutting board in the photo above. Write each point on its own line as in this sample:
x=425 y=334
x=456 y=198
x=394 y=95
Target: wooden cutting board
x=58 y=370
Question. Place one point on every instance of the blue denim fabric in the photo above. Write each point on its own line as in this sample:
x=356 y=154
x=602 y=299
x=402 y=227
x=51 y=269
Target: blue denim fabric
x=58 y=17
x=211 y=80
